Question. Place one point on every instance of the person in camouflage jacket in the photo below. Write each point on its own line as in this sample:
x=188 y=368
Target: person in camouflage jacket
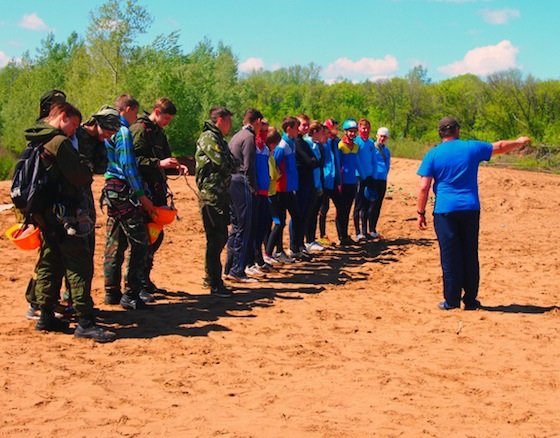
x=214 y=167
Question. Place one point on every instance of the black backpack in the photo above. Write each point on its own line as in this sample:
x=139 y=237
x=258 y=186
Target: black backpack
x=31 y=190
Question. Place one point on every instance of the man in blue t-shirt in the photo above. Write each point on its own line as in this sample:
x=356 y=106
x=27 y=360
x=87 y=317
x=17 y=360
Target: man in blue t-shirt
x=453 y=167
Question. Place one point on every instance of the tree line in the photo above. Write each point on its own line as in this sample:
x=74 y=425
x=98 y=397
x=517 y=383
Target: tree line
x=93 y=69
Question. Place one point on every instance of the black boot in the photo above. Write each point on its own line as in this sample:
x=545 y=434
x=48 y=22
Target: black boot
x=130 y=302
x=49 y=323
x=112 y=297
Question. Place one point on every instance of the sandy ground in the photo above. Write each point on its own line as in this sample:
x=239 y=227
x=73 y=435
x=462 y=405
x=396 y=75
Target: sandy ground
x=348 y=345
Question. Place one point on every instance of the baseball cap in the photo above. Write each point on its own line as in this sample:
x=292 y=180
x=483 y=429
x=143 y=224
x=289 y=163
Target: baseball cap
x=383 y=131
x=447 y=123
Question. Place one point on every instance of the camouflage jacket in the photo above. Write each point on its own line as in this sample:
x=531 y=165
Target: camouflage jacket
x=214 y=167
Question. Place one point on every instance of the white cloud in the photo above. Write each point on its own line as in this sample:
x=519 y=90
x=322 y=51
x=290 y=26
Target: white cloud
x=365 y=68
x=499 y=16
x=251 y=64
x=483 y=61
x=3 y=59
x=33 y=22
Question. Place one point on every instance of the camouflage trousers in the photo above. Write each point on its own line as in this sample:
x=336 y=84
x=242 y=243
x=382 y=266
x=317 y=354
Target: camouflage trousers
x=123 y=233
x=69 y=256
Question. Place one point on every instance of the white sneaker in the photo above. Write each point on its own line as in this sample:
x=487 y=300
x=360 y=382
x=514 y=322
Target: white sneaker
x=360 y=237
x=314 y=247
x=254 y=271
x=374 y=235
x=270 y=260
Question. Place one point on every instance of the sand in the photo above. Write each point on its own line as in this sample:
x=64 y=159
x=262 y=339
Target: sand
x=349 y=345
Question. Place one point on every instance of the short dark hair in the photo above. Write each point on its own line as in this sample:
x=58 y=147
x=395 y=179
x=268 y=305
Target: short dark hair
x=315 y=126
x=219 y=111
x=64 y=107
x=165 y=106
x=125 y=100
x=273 y=136
x=252 y=115
x=289 y=121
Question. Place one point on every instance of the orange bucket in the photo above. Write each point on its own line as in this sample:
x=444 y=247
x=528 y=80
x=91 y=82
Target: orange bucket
x=154 y=231
x=164 y=215
x=27 y=239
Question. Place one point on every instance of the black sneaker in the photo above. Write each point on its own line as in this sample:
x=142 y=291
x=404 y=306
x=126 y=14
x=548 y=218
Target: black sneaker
x=146 y=296
x=473 y=305
x=94 y=332
x=48 y=322
x=131 y=303
x=301 y=256
x=113 y=297
x=221 y=292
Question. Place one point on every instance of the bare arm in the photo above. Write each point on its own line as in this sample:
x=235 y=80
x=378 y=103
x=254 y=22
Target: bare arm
x=504 y=146
x=423 y=192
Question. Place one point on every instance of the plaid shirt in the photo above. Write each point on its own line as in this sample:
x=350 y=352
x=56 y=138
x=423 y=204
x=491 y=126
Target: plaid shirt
x=122 y=161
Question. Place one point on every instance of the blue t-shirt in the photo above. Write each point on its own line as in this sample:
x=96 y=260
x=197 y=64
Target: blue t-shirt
x=454 y=167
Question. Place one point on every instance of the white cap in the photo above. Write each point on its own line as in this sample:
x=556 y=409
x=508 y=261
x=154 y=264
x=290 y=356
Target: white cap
x=383 y=131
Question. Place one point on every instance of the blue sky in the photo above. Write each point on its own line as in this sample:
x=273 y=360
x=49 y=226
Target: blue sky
x=359 y=40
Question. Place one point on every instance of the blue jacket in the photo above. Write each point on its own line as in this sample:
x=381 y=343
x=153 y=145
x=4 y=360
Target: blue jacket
x=366 y=158
x=285 y=156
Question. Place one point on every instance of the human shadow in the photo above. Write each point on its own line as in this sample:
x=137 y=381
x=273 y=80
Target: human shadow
x=191 y=314
x=519 y=308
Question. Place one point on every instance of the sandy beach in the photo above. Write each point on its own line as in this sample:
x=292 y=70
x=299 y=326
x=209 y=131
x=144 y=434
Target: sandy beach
x=351 y=344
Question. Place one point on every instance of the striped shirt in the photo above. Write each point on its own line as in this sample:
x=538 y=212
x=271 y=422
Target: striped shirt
x=122 y=162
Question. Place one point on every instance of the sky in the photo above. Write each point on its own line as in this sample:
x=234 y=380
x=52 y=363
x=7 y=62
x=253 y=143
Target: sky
x=359 y=40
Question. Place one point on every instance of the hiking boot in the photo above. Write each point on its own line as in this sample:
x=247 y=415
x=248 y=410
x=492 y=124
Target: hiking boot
x=113 y=297
x=94 y=332
x=221 y=292
x=146 y=296
x=133 y=303
x=49 y=323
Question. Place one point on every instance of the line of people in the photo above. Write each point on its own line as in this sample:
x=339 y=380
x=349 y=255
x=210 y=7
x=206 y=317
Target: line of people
x=261 y=175
x=247 y=186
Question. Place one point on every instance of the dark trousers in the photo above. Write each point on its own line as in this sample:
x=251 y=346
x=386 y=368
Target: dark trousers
x=215 y=226
x=334 y=195
x=287 y=202
x=304 y=199
x=262 y=226
x=347 y=198
x=362 y=209
x=274 y=240
x=241 y=212
x=380 y=186
x=311 y=223
x=457 y=235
